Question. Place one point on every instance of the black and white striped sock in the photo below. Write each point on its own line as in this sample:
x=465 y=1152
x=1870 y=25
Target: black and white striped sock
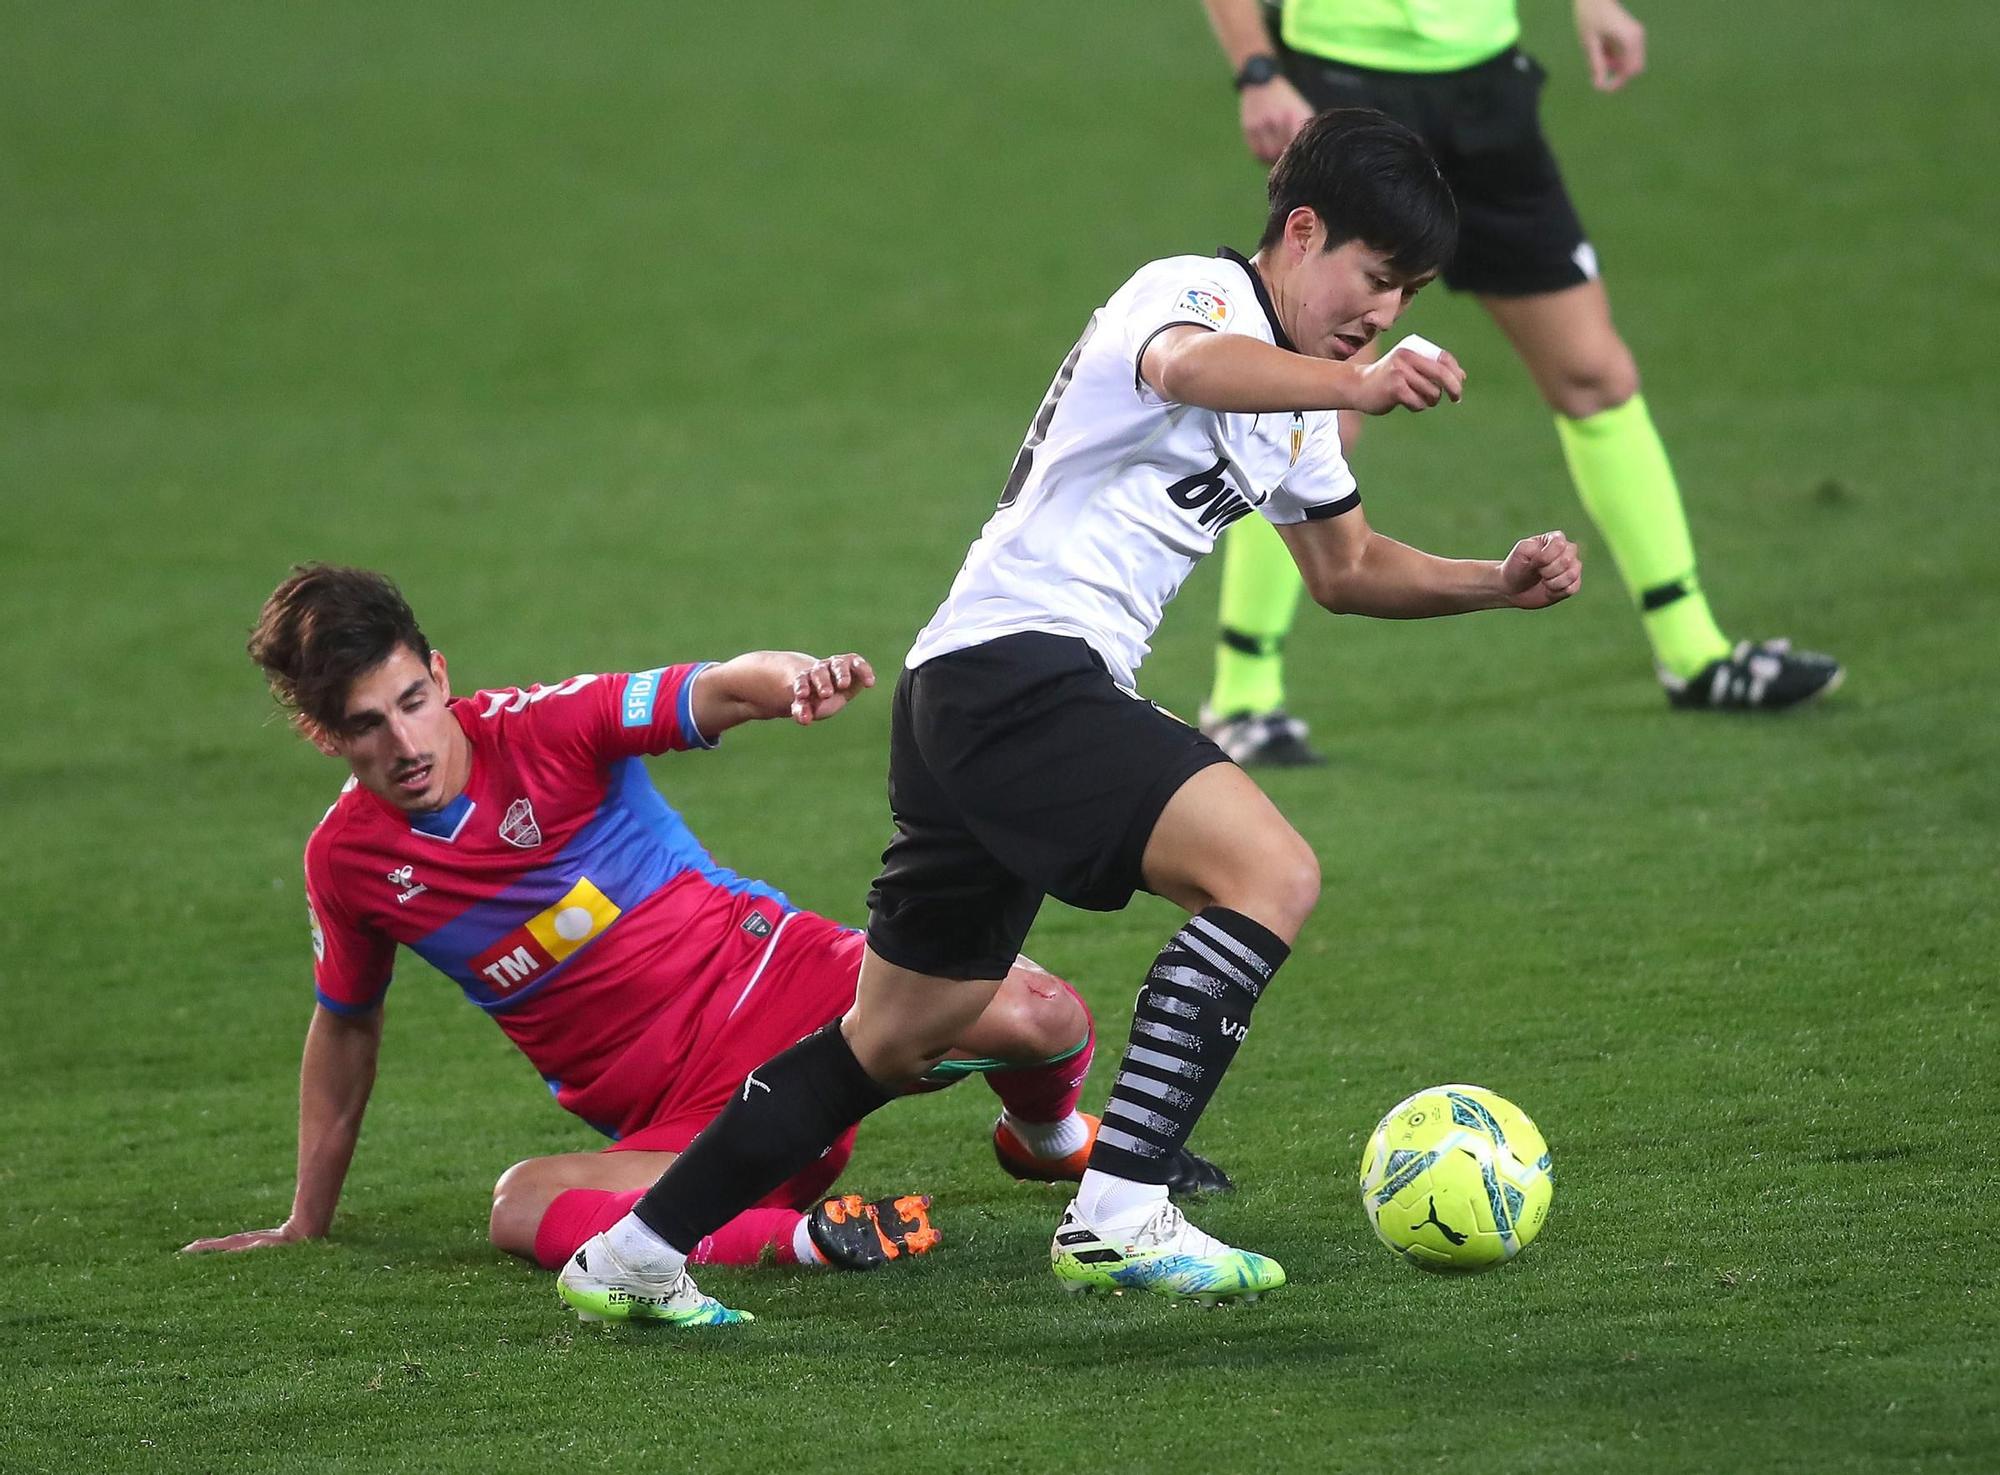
x=1192 y=1014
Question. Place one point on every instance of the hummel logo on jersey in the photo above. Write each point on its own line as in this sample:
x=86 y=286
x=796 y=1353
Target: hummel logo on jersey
x=1232 y=1030
x=1209 y=494
x=405 y=877
x=519 y=828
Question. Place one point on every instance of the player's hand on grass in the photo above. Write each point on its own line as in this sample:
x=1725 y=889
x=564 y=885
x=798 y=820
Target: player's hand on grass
x=1541 y=571
x=1614 y=43
x=1408 y=381
x=249 y=1239
x=1272 y=112
x=822 y=688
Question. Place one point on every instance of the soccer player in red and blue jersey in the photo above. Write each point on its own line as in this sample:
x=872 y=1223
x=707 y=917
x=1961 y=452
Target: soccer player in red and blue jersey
x=514 y=840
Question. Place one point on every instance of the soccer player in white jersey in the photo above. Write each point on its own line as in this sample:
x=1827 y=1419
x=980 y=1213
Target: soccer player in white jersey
x=1022 y=764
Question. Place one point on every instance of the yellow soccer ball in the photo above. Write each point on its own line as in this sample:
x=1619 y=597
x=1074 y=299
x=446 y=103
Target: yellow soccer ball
x=1456 y=1178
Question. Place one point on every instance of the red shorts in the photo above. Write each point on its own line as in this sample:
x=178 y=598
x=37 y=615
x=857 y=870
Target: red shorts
x=803 y=981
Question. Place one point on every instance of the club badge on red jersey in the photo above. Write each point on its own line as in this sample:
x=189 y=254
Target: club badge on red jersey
x=518 y=827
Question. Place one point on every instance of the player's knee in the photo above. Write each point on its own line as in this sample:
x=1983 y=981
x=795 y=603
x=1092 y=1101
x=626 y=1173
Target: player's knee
x=1592 y=382
x=1063 y=1020
x=1043 y=1019
x=1285 y=888
x=1278 y=888
x=516 y=1208
x=1293 y=886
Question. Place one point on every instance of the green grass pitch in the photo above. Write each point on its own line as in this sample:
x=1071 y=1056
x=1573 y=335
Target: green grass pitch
x=635 y=332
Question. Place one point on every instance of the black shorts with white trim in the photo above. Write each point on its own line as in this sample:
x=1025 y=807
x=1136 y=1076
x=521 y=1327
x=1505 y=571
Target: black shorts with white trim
x=1018 y=769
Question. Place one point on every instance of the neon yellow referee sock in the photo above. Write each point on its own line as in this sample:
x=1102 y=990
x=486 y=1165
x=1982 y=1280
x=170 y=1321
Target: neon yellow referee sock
x=1627 y=486
x=1260 y=595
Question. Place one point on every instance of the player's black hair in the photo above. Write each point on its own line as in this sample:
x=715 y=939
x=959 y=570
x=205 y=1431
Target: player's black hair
x=324 y=627
x=1368 y=179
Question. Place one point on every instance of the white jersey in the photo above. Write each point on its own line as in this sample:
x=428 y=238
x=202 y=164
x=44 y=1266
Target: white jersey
x=1117 y=492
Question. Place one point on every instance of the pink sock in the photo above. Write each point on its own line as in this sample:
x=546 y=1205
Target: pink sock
x=573 y=1216
x=1047 y=1092
x=750 y=1236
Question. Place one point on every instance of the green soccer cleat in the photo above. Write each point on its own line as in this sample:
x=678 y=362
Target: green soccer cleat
x=1169 y=1257
x=600 y=1287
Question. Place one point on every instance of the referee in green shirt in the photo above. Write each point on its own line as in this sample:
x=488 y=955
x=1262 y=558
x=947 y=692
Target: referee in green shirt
x=1450 y=70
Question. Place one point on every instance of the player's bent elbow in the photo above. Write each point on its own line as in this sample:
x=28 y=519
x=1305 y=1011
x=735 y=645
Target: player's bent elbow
x=1174 y=371
x=1170 y=379
x=1332 y=593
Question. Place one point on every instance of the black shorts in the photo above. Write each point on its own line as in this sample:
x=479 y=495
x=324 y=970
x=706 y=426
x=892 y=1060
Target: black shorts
x=1518 y=233
x=1017 y=769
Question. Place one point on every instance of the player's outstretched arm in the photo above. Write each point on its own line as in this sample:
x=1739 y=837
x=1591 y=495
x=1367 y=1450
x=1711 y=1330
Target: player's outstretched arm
x=335 y=1078
x=1239 y=375
x=1351 y=569
x=777 y=683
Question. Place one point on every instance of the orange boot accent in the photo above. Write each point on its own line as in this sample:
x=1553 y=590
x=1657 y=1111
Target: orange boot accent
x=1020 y=1163
x=914 y=1210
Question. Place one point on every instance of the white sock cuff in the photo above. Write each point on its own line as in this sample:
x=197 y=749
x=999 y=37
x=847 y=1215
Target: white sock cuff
x=1108 y=1202
x=633 y=1241
x=1050 y=1139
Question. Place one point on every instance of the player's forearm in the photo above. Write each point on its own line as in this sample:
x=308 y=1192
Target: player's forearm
x=335 y=1079
x=753 y=687
x=776 y=683
x=1239 y=29
x=1389 y=580
x=1237 y=375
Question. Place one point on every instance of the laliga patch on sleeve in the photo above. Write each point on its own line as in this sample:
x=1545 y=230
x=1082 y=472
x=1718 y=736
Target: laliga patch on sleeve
x=1209 y=306
x=642 y=691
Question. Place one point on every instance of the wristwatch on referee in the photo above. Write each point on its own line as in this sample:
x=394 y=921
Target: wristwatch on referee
x=1257 y=70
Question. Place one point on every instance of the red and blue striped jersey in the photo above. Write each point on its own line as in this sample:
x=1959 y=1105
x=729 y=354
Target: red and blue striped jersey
x=559 y=891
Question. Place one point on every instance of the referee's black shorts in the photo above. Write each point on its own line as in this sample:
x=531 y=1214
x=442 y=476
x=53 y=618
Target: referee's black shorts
x=1518 y=233
x=1017 y=769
